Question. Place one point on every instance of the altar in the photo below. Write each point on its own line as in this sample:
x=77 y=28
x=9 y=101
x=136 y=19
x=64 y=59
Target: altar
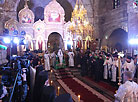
x=38 y=34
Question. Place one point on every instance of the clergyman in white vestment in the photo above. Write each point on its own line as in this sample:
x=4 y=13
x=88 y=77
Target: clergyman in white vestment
x=47 y=63
x=60 y=55
x=127 y=92
x=71 y=59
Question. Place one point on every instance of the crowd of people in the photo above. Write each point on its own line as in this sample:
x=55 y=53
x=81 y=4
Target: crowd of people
x=99 y=65
x=109 y=66
x=105 y=66
x=35 y=86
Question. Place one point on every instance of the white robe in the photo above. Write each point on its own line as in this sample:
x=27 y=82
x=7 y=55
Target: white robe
x=130 y=66
x=107 y=67
x=114 y=69
x=71 y=59
x=60 y=55
x=47 y=64
x=127 y=92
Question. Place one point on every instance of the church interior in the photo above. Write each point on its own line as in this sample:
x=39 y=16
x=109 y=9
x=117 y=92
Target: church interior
x=68 y=51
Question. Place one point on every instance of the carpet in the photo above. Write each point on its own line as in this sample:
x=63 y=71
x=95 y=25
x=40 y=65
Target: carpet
x=105 y=85
x=76 y=87
x=63 y=73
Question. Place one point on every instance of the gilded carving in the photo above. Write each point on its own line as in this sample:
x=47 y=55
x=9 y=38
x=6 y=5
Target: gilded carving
x=11 y=25
x=26 y=16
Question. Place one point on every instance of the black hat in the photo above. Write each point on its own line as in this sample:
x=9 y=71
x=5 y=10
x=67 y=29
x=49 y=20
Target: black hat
x=107 y=55
x=115 y=55
x=64 y=98
x=129 y=57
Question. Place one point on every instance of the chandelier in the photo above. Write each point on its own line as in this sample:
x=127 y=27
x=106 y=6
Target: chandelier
x=79 y=20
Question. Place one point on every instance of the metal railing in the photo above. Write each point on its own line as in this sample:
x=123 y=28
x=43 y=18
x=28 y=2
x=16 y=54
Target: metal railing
x=10 y=99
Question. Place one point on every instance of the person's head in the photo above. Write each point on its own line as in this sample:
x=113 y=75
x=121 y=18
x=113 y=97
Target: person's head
x=90 y=54
x=115 y=57
x=39 y=62
x=100 y=57
x=31 y=61
x=128 y=75
x=37 y=56
x=128 y=59
x=24 y=70
x=107 y=57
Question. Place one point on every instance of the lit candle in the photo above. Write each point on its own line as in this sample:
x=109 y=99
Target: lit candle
x=58 y=90
x=51 y=83
x=51 y=75
x=78 y=98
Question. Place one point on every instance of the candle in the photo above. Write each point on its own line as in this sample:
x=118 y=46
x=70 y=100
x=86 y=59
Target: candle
x=119 y=70
x=51 y=83
x=58 y=90
x=51 y=75
x=78 y=98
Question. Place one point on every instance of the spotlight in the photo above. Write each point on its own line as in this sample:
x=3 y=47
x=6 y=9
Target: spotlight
x=16 y=40
x=133 y=41
x=6 y=40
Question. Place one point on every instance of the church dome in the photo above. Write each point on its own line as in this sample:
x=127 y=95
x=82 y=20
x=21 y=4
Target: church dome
x=26 y=16
x=55 y=10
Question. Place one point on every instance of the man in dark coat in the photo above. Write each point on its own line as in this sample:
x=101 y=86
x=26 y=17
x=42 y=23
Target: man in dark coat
x=48 y=94
x=35 y=61
x=83 y=65
x=40 y=81
x=100 y=68
x=90 y=65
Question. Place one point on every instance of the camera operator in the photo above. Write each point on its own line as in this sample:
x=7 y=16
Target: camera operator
x=24 y=85
x=3 y=92
x=21 y=88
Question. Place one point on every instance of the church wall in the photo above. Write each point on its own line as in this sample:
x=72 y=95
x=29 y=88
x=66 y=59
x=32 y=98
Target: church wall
x=7 y=11
x=132 y=25
x=111 y=20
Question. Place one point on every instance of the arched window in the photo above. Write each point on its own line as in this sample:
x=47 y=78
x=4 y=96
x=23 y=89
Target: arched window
x=116 y=4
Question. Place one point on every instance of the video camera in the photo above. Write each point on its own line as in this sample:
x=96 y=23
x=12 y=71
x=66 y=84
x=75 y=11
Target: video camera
x=17 y=63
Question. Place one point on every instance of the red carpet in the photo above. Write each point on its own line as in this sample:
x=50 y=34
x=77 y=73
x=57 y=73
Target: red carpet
x=62 y=73
x=104 y=85
x=86 y=95
x=78 y=89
